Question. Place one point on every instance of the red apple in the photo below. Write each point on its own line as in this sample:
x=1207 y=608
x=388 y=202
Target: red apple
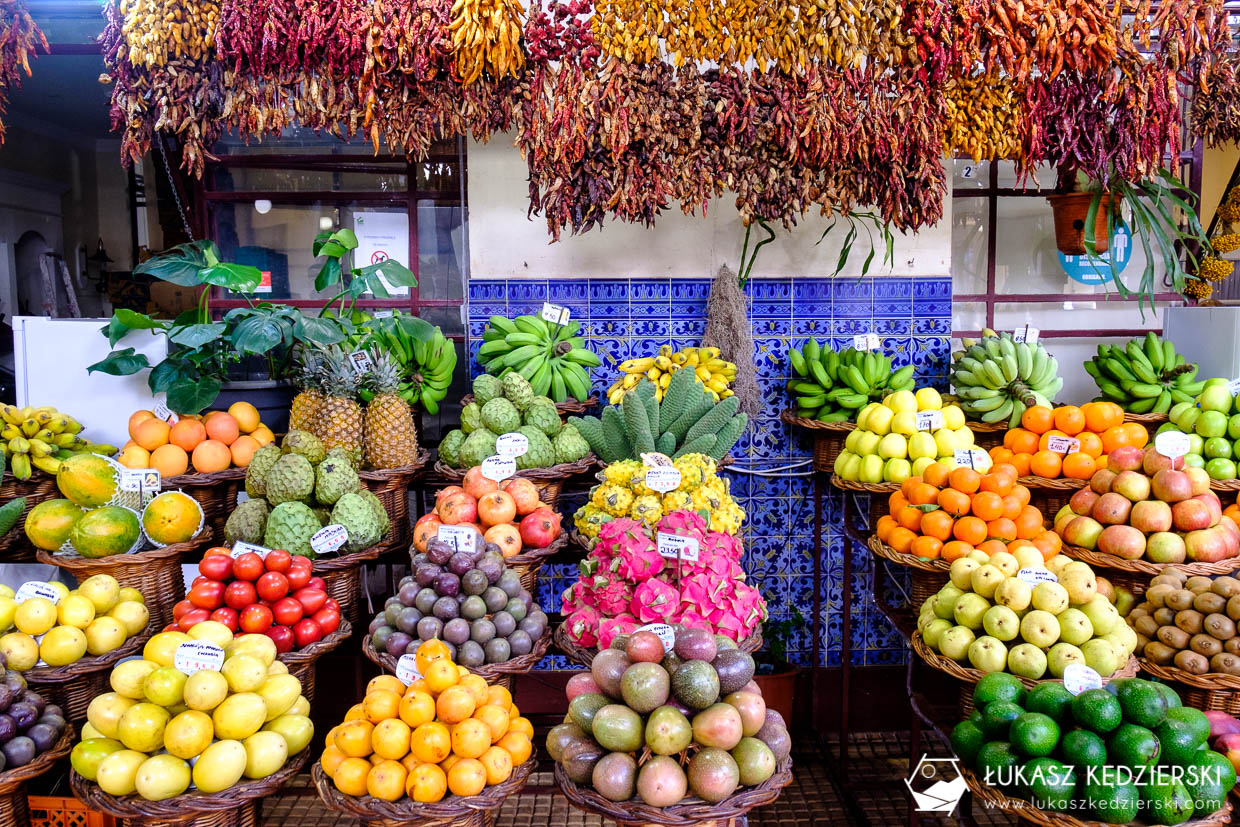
x=1112 y=509
x=1165 y=547
x=306 y=632
x=1190 y=515
x=1064 y=516
x=1100 y=482
x=1207 y=545
x=1153 y=462
x=1125 y=458
x=1122 y=541
x=1133 y=485
x=1150 y=516
x=1083 y=532
x=1082 y=501
x=1210 y=499
x=1171 y=486
x=1199 y=478
x=540 y=527
x=282 y=637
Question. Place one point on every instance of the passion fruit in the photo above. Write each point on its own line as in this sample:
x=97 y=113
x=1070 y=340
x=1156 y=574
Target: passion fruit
x=713 y=775
x=615 y=776
x=661 y=782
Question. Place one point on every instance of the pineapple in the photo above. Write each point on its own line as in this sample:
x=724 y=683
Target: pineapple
x=305 y=408
x=340 y=420
x=391 y=438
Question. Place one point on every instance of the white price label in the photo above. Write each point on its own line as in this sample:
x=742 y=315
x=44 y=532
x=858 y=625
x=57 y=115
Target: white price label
x=36 y=588
x=675 y=547
x=162 y=411
x=1034 y=576
x=460 y=537
x=554 y=313
x=1171 y=444
x=499 y=468
x=1026 y=334
x=974 y=458
x=1233 y=387
x=929 y=420
x=1063 y=444
x=240 y=548
x=407 y=669
x=653 y=459
x=512 y=445
x=141 y=480
x=1077 y=678
x=196 y=655
x=867 y=341
x=360 y=360
x=664 y=632
x=384 y=314
x=329 y=538
x=662 y=479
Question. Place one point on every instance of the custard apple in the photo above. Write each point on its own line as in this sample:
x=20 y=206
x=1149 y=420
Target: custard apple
x=450 y=448
x=247 y=523
x=290 y=526
x=342 y=454
x=517 y=390
x=471 y=417
x=569 y=445
x=260 y=464
x=291 y=478
x=487 y=387
x=359 y=519
x=477 y=446
x=500 y=416
x=304 y=443
x=334 y=478
x=385 y=522
x=323 y=513
x=540 y=453
x=542 y=414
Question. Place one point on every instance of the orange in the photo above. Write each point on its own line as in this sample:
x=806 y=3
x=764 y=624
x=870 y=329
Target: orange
x=884 y=526
x=901 y=539
x=478 y=687
x=906 y=487
x=446 y=764
x=937 y=524
x=409 y=762
x=350 y=776
x=137 y=418
x=151 y=433
x=1069 y=419
x=1002 y=529
x=522 y=725
x=1028 y=523
x=1021 y=493
x=329 y=740
x=391 y=739
x=1025 y=442
x=471 y=737
x=1137 y=434
x=1012 y=505
x=910 y=518
x=355 y=713
x=955 y=550
x=427 y=783
x=495 y=718
x=1045 y=440
x=896 y=501
x=1020 y=543
x=987 y=505
x=467 y=777
x=1102 y=415
x=431 y=742
x=1232 y=511
x=1048 y=543
x=970 y=530
x=454 y=705
x=388 y=682
x=518 y=746
x=1021 y=463
x=246 y=416
x=211 y=456
x=926 y=547
x=1091 y=443
x=416 y=708
x=441 y=675
x=992 y=547
x=432 y=650
x=936 y=475
x=513 y=712
x=499 y=696
x=923 y=494
x=999 y=481
x=381 y=705
x=134 y=456
x=386 y=780
x=1078 y=466
x=376 y=760
x=353 y=738
x=965 y=479
x=1046 y=464
x=262 y=435
x=331 y=759
x=954 y=503
x=243 y=450
x=223 y=428
x=187 y=433
x=170 y=461
x=1038 y=419
x=498 y=764
x=999 y=454
x=1115 y=437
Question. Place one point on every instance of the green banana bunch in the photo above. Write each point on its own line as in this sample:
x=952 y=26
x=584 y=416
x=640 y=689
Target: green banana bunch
x=551 y=357
x=1145 y=375
x=426 y=357
x=997 y=377
x=40 y=438
x=832 y=386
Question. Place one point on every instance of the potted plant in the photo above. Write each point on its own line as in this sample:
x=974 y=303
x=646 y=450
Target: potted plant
x=775 y=676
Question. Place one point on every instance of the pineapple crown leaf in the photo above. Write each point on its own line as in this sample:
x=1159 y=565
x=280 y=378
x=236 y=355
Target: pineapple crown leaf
x=384 y=375
x=337 y=376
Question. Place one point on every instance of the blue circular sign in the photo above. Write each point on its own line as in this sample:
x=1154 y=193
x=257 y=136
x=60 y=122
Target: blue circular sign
x=1097 y=269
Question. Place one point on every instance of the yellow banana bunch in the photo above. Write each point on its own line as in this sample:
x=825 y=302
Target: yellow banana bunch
x=714 y=373
x=40 y=437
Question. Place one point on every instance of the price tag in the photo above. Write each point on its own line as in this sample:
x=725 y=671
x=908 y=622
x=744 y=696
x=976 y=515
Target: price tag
x=329 y=538
x=1233 y=387
x=554 y=313
x=141 y=480
x=499 y=468
x=384 y=314
x=1063 y=444
x=460 y=537
x=512 y=445
x=1078 y=678
x=929 y=420
x=1034 y=576
x=653 y=459
x=664 y=632
x=675 y=547
x=662 y=479
x=240 y=548
x=196 y=655
x=35 y=588
x=1171 y=444
x=974 y=458
x=1026 y=334
x=360 y=360
x=162 y=411
x=407 y=669
x=867 y=341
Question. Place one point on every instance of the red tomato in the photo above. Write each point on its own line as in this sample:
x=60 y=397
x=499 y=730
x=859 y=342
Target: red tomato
x=283 y=638
x=255 y=619
x=228 y=617
x=278 y=560
x=225 y=550
x=272 y=586
x=298 y=576
x=171 y=627
x=181 y=608
x=199 y=579
x=332 y=604
x=300 y=562
x=216 y=566
x=307 y=632
x=239 y=594
x=328 y=620
x=287 y=611
x=248 y=566
x=192 y=618
x=316 y=583
x=209 y=594
x=310 y=599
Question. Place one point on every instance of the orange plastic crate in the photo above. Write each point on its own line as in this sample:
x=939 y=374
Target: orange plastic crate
x=56 y=811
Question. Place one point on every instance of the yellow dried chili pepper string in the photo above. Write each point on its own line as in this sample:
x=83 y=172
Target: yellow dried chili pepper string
x=160 y=31
x=983 y=118
x=486 y=35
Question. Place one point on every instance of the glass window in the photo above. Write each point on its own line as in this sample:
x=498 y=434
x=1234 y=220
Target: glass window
x=251 y=179
x=970 y=225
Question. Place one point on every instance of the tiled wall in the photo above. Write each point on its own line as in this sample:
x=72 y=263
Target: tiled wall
x=626 y=318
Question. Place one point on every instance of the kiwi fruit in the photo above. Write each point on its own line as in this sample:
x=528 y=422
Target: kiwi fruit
x=1172 y=571
x=1142 y=640
x=1192 y=662
x=1225 y=662
x=1199 y=583
x=1138 y=613
x=1147 y=626
x=1205 y=645
x=1233 y=607
x=1219 y=626
x=1190 y=620
x=1146 y=607
x=1179 y=599
x=1226 y=586
x=1168 y=579
x=1232 y=646
x=1159 y=652
x=1156 y=596
x=1174 y=637
x=1165 y=616
x=1209 y=603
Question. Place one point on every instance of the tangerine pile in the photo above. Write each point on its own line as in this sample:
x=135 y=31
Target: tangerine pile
x=948 y=513
x=448 y=731
x=1098 y=426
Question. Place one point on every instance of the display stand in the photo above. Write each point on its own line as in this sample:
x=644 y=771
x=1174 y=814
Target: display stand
x=14 y=811
x=300 y=662
x=497 y=674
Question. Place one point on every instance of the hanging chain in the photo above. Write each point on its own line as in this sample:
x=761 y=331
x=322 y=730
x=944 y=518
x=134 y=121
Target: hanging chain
x=176 y=194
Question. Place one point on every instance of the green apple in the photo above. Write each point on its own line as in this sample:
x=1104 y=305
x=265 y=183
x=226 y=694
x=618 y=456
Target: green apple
x=895 y=446
x=1074 y=627
x=1211 y=423
x=1196 y=445
x=902 y=402
x=1061 y=656
x=1215 y=399
x=1187 y=419
x=928 y=399
x=1040 y=628
x=955 y=642
x=1194 y=461
x=921 y=464
x=905 y=422
x=1221 y=469
x=850 y=441
x=1001 y=622
x=897 y=470
x=945 y=440
x=953 y=417
x=863 y=416
x=1177 y=409
x=1233 y=425
x=1100 y=656
x=879 y=420
x=922 y=445
x=867 y=443
x=1027 y=660
x=988 y=654
x=969 y=610
x=1217 y=447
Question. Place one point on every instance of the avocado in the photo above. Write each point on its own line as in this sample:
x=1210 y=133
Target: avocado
x=967 y=738
x=1082 y=748
x=1172 y=802
x=1212 y=777
x=1114 y=803
x=1133 y=746
x=1142 y=703
x=1051 y=699
x=1097 y=710
x=1051 y=783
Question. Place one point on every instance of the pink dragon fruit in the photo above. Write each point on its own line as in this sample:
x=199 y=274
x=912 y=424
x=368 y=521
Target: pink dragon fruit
x=750 y=606
x=654 y=601
x=700 y=592
x=685 y=524
x=582 y=626
x=610 y=627
x=719 y=543
x=691 y=619
x=611 y=595
x=612 y=536
x=716 y=565
x=578 y=595
x=638 y=557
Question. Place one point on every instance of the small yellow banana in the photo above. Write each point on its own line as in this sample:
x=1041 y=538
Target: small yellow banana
x=39 y=448
x=10 y=431
x=630 y=381
x=709 y=353
x=101 y=448
x=664 y=380
x=19 y=445
x=692 y=360
x=12 y=414
x=703 y=373
x=58 y=424
x=45 y=415
x=679 y=358
x=48 y=464
x=29 y=426
x=20 y=464
x=665 y=350
x=44 y=435
x=663 y=363
x=615 y=396
x=637 y=365
x=64 y=440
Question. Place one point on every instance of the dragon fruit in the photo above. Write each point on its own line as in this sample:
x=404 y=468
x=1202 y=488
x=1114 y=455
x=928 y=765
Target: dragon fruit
x=611 y=627
x=750 y=606
x=726 y=544
x=693 y=620
x=700 y=592
x=611 y=595
x=685 y=524
x=578 y=595
x=654 y=601
x=638 y=558
x=583 y=627
x=738 y=613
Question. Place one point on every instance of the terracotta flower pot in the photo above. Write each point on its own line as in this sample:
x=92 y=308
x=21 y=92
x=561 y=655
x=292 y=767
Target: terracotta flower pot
x=778 y=689
x=1070 y=211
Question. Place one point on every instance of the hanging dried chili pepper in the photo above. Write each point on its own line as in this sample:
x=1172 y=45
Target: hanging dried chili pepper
x=20 y=38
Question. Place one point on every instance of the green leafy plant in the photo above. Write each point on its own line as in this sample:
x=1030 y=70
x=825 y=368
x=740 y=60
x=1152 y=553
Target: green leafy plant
x=354 y=282
x=872 y=223
x=777 y=633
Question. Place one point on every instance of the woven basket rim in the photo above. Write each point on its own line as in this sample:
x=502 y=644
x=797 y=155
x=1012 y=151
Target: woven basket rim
x=967 y=674
x=200 y=480
x=1110 y=561
x=548 y=474
x=410 y=471
x=1210 y=681
x=535 y=555
x=690 y=811
x=584 y=657
x=578 y=539
x=867 y=487
x=520 y=665
x=74 y=561
x=575 y=406
x=788 y=417
x=411 y=812
x=1146 y=417
x=43 y=675
x=300 y=657
x=1225 y=485
x=184 y=806
x=986 y=427
x=10 y=779
x=886 y=552
x=34 y=483
x=1055 y=484
x=346 y=562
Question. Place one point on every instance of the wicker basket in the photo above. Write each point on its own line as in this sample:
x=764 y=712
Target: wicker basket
x=865 y=487
x=471 y=811
x=1050 y=495
x=37 y=489
x=828 y=438
x=548 y=481
x=1146 y=419
x=1225 y=485
x=300 y=662
x=156 y=572
x=1211 y=691
x=690 y=812
x=928 y=576
x=499 y=674
x=73 y=687
x=14 y=810
x=987 y=435
x=215 y=492
x=343 y=576
x=391 y=486
x=232 y=807
x=584 y=656
x=527 y=563
x=1136 y=574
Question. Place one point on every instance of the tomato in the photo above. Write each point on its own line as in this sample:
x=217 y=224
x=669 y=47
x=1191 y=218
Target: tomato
x=208 y=594
x=216 y=566
x=328 y=620
x=310 y=599
x=283 y=638
x=272 y=586
x=299 y=576
x=225 y=550
x=181 y=608
x=316 y=583
x=171 y=627
x=332 y=604
x=278 y=560
x=228 y=617
x=300 y=562
x=200 y=579
x=192 y=618
x=248 y=566
x=307 y=632
x=287 y=611
x=255 y=619
x=239 y=594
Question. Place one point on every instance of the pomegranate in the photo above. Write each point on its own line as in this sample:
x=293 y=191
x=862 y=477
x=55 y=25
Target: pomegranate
x=476 y=485
x=506 y=536
x=496 y=507
x=540 y=527
x=458 y=509
x=524 y=493
x=444 y=493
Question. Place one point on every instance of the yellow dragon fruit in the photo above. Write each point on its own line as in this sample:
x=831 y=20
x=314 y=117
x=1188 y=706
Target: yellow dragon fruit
x=648 y=508
x=621 y=473
x=695 y=470
x=612 y=498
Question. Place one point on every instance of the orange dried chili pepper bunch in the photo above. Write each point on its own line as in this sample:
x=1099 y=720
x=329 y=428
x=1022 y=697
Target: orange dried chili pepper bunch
x=1043 y=37
x=486 y=35
x=984 y=117
x=159 y=31
x=20 y=37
